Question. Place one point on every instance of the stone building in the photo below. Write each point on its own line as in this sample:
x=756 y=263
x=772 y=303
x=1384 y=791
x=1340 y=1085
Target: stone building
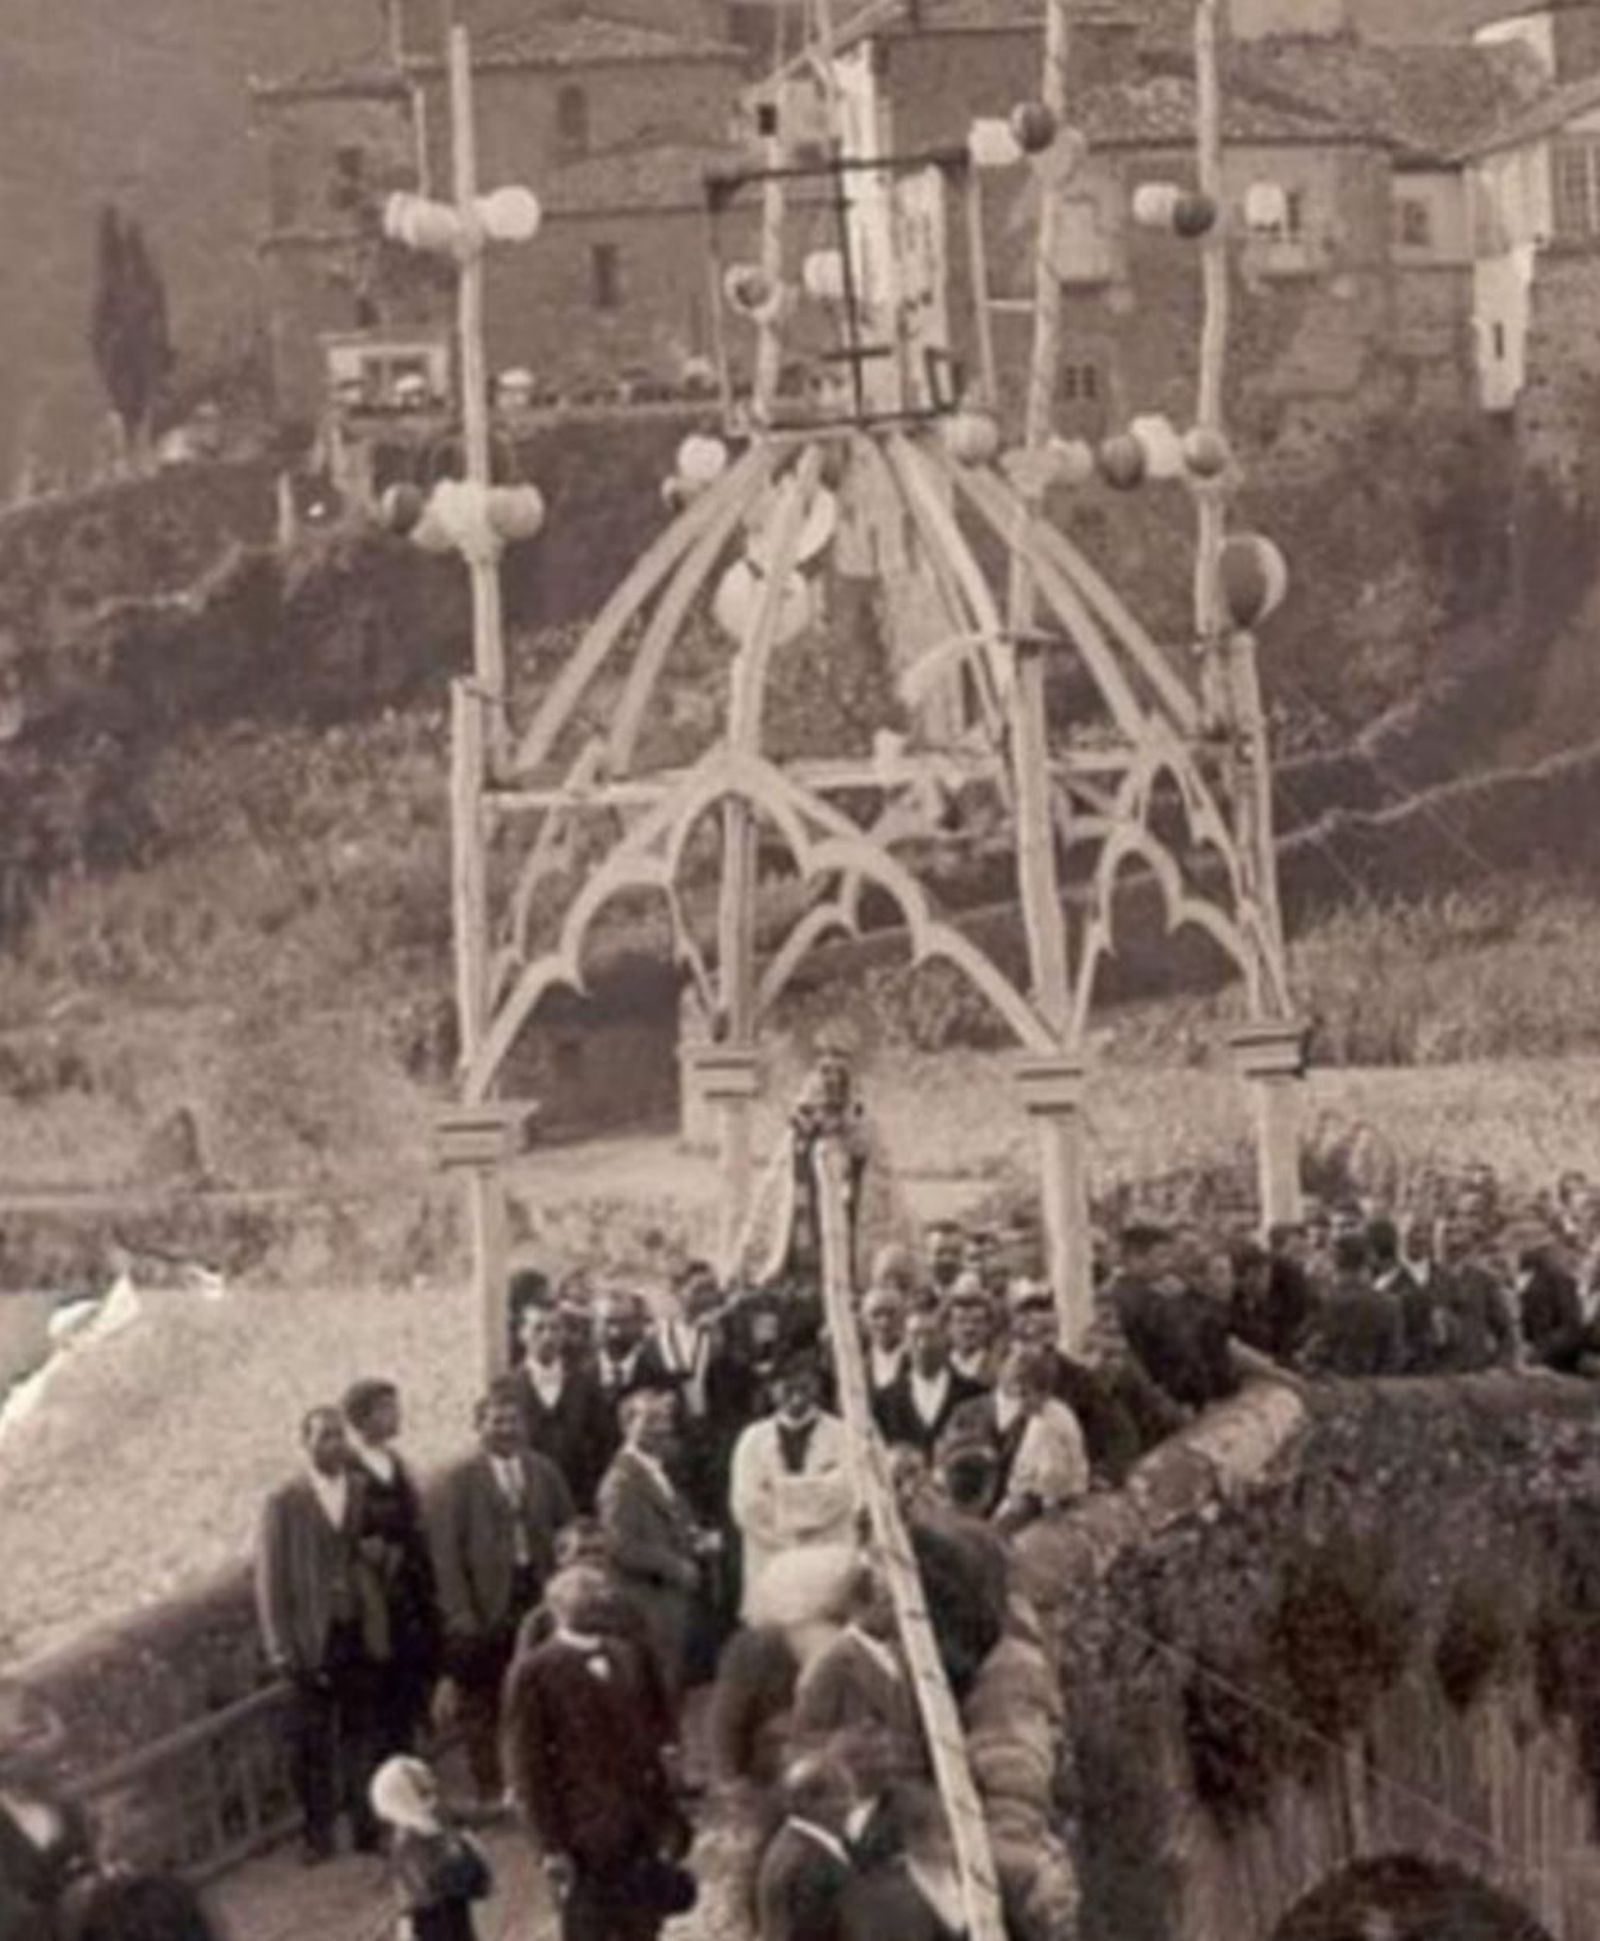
x=611 y=121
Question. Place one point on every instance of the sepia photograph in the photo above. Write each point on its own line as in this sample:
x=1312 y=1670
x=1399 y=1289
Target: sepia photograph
x=799 y=1031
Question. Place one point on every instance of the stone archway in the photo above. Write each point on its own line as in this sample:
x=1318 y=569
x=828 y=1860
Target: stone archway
x=1404 y=1898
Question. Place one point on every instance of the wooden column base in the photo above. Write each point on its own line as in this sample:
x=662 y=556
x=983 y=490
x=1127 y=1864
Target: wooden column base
x=1051 y=1089
x=1271 y=1059
x=728 y=1079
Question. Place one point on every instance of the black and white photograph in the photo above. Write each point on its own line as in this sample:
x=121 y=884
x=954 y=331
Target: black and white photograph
x=799 y=1035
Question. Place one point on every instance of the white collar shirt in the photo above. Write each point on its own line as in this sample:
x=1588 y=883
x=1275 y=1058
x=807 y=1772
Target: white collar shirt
x=376 y=1461
x=928 y=1393
x=829 y=1842
x=333 y=1493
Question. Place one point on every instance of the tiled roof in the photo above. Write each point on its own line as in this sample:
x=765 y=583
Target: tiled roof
x=1160 y=113
x=585 y=40
x=1542 y=117
x=644 y=175
x=1423 y=101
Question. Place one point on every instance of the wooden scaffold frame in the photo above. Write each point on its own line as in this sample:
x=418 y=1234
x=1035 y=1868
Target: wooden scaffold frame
x=1186 y=732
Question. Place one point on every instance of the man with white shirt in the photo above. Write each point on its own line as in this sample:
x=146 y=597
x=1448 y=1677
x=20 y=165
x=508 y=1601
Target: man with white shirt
x=324 y=1629
x=806 y=1868
x=916 y=1407
x=656 y=1546
x=492 y=1523
x=972 y=1320
x=791 y=1485
x=883 y=1323
x=564 y=1415
x=625 y=1358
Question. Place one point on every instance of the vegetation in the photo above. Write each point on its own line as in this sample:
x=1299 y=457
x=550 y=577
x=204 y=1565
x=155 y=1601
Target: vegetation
x=128 y=330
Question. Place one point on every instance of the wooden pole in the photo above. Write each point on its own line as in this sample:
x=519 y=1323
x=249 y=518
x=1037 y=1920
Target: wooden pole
x=478 y=723
x=1211 y=495
x=1270 y=1050
x=1061 y=1155
x=483 y=564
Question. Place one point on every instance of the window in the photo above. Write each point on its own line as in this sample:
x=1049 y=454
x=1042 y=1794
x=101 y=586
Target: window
x=1499 y=343
x=1080 y=383
x=572 y=121
x=1294 y=215
x=1578 y=189
x=1413 y=223
x=605 y=276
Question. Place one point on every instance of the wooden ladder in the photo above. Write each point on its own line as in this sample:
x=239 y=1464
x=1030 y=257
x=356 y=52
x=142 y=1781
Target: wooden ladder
x=969 y=1830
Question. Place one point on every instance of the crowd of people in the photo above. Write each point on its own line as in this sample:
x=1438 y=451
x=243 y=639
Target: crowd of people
x=659 y=1501
x=643 y=1482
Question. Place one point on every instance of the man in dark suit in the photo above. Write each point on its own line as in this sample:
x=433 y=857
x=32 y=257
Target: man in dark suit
x=394 y=1545
x=656 y=1546
x=807 y=1870
x=492 y=1523
x=626 y=1358
x=564 y=1415
x=588 y=1738
x=323 y=1625
x=1108 y=1400
x=916 y=1407
x=1357 y=1332
x=861 y=1679
x=1550 y=1309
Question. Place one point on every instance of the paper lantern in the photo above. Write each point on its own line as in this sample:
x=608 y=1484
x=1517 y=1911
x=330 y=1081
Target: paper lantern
x=1033 y=126
x=823 y=275
x=1254 y=577
x=972 y=437
x=992 y=143
x=1123 y=462
x=1206 y=452
x=753 y=293
x=1194 y=214
x=1163 y=448
x=400 y=508
x=738 y=597
x=1155 y=204
x=701 y=459
x=1072 y=460
x=515 y=511
x=431 y=533
x=510 y=215
x=422 y=224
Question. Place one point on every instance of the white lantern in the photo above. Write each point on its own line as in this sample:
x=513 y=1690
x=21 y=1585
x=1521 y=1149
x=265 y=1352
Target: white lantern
x=738 y=601
x=514 y=389
x=992 y=143
x=1162 y=445
x=1073 y=460
x=702 y=460
x=510 y=215
x=1155 y=204
x=421 y=224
